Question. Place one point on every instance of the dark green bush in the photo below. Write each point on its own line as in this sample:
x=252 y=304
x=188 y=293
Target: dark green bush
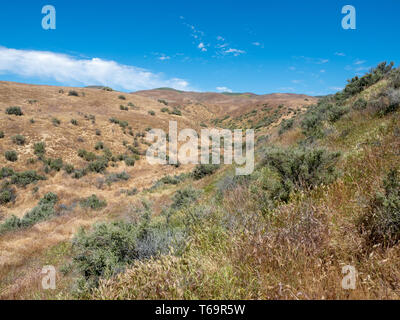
x=56 y=121
x=73 y=93
x=11 y=156
x=115 y=177
x=39 y=149
x=88 y=156
x=202 y=170
x=43 y=211
x=74 y=122
x=286 y=125
x=98 y=165
x=165 y=110
x=93 y=203
x=325 y=111
x=300 y=168
x=184 y=197
x=380 y=224
x=6 y=172
x=99 y=145
x=14 y=110
x=152 y=113
x=360 y=104
x=22 y=179
x=80 y=173
x=129 y=161
x=18 y=139
x=55 y=164
x=7 y=194
x=69 y=168
x=122 y=97
x=357 y=85
x=176 y=112
x=1 y=134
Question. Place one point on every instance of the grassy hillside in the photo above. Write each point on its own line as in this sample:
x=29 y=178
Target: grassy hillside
x=325 y=194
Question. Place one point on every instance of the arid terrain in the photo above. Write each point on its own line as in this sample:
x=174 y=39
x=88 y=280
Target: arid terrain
x=67 y=120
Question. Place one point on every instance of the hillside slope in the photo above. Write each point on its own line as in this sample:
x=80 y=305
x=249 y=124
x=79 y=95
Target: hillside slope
x=75 y=143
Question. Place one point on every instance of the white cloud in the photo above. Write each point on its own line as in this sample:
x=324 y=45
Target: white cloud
x=357 y=62
x=163 y=57
x=202 y=47
x=223 y=89
x=219 y=38
x=296 y=81
x=340 y=54
x=235 y=52
x=322 y=70
x=69 y=70
x=256 y=44
x=312 y=60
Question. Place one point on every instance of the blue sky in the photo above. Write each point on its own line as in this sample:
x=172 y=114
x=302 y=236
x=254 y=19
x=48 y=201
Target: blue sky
x=240 y=46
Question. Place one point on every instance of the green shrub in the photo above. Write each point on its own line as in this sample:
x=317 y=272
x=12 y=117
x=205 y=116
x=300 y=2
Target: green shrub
x=286 y=125
x=121 y=97
x=99 y=165
x=14 y=110
x=357 y=85
x=360 y=104
x=6 y=172
x=99 y=145
x=1 y=134
x=129 y=161
x=93 y=203
x=80 y=173
x=380 y=224
x=184 y=197
x=69 y=168
x=56 y=121
x=123 y=108
x=18 y=140
x=74 y=122
x=73 y=93
x=165 y=110
x=325 y=111
x=43 y=211
x=88 y=156
x=55 y=164
x=25 y=178
x=115 y=177
x=300 y=169
x=98 y=132
x=39 y=149
x=202 y=170
x=11 y=156
x=152 y=113
x=176 y=112
x=7 y=194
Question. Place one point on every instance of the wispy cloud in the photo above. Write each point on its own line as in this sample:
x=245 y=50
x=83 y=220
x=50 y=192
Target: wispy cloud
x=223 y=89
x=312 y=60
x=340 y=54
x=357 y=62
x=69 y=70
x=235 y=52
x=163 y=57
